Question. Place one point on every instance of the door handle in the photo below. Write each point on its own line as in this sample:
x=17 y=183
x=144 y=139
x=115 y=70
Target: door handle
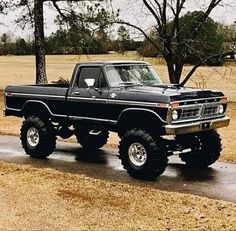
x=76 y=93
x=113 y=95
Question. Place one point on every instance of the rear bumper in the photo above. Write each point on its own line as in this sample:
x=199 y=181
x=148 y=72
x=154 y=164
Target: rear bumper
x=196 y=126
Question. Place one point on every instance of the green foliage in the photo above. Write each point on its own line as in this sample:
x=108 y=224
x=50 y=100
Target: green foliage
x=21 y=47
x=148 y=49
x=5 y=44
x=73 y=41
x=4 y=4
x=208 y=40
x=69 y=41
x=229 y=35
x=123 y=41
x=191 y=49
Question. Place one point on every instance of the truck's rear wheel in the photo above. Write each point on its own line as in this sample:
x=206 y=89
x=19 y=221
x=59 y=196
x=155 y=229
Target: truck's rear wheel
x=205 y=148
x=37 y=137
x=92 y=139
x=142 y=155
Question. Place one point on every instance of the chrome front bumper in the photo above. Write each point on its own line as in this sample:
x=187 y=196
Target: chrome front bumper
x=176 y=129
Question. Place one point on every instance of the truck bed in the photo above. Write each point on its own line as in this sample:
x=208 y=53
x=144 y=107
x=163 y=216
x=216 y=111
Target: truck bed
x=53 y=95
x=58 y=89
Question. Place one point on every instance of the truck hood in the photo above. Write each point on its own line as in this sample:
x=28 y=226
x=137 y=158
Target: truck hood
x=165 y=93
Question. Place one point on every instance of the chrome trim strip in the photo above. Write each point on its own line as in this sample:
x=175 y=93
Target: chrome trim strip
x=87 y=118
x=139 y=63
x=189 y=100
x=37 y=95
x=128 y=102
x=198 y=105
x=90 y=118
x=13 y=109
x=118 y=102
x=65 y=116
x=197 y=119
x=196 y=126
x=141 y=109
x=37 y=101
x=86 y=98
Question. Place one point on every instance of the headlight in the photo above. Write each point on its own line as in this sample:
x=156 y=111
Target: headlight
x=221 y=109
x=175 y=115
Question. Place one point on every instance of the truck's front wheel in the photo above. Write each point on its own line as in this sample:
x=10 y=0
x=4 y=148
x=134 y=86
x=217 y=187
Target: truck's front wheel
x=142 y=155
x=205 y=148
x=37 y=137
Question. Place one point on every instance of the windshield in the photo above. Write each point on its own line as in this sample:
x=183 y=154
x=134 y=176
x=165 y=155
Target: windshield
x=125 y=75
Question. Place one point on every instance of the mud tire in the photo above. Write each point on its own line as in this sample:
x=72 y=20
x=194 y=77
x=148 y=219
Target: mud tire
x=156 y=159
x=206 y=148
x=46 y=142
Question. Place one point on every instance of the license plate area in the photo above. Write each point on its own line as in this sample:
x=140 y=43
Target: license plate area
x=205 y=126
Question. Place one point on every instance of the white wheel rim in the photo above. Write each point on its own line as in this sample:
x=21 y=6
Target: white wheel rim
x=137 y=154
x=33 y=137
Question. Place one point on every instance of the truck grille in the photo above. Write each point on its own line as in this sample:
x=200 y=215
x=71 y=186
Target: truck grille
x=198 y=111
x=210 y=110
x=190 y=113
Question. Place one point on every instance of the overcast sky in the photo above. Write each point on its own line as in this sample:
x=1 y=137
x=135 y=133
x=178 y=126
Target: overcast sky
x=132 y=11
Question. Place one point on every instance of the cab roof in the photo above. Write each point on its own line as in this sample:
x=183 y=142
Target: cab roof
x=115 y=62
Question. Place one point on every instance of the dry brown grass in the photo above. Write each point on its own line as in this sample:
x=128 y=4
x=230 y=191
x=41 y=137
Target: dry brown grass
x=52 y=200
x=16 y=70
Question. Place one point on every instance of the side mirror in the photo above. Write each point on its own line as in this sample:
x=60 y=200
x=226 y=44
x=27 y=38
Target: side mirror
x=90 y=82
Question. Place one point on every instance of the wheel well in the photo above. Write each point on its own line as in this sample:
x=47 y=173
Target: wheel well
x=140 y=119
x=35 y=108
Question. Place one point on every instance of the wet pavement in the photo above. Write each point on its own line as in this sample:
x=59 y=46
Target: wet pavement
x=218 y=181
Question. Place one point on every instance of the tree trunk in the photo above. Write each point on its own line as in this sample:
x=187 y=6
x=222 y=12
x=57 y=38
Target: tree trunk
x=178 y=70
x=174 y=69
x=41 y=77
x=171 y=73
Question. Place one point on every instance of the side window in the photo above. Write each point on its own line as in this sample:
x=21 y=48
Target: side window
x=91 y=73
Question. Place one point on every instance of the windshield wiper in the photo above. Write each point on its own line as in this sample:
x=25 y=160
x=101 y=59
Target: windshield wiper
x=149 y=83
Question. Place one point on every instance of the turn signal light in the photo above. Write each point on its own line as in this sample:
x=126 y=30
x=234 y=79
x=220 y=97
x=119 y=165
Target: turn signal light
x=223 y=100
x=174 y=105
x=8 y=94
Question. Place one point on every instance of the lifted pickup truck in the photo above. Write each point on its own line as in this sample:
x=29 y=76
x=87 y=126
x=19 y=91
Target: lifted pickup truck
x=154 y=120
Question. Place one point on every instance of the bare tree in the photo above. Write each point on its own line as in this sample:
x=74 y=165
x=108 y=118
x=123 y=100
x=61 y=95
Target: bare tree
x=167 y=15
x=40 y=59
x=33 y=13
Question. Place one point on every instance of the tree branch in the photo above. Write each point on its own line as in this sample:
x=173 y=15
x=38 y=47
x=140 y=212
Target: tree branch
x=141 y=30
x=153 y=13
x=202 y=62
x=206 y=14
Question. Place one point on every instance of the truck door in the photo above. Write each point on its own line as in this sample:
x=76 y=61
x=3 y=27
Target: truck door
x=85 y=101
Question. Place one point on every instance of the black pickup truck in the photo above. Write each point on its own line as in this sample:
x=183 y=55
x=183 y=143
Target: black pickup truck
x=154 y=120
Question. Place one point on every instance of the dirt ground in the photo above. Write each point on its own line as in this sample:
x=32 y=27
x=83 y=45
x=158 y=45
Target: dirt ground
x=46 y=199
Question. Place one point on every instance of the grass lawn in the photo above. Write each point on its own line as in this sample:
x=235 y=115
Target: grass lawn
x=47 y=199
